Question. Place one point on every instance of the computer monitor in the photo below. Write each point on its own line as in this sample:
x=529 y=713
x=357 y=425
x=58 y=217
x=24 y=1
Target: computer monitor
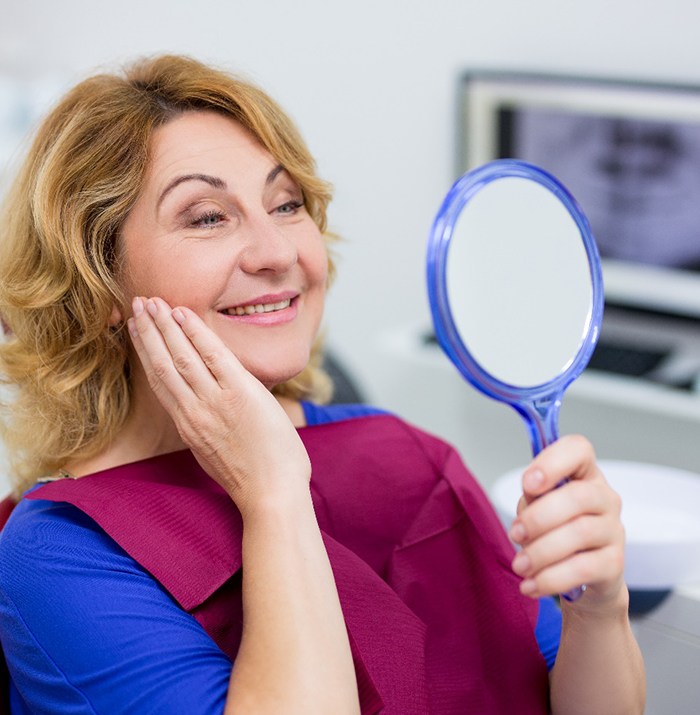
x=628 y=151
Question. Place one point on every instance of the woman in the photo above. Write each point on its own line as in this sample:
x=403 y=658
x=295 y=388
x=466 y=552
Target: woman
x=163 y=269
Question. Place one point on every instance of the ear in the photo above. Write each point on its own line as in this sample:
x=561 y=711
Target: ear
x=115 y=317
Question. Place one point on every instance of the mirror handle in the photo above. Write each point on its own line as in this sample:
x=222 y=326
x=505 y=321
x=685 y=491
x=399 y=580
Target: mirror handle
x=542 y=419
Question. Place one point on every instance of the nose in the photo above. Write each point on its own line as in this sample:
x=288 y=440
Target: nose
x=268 y=247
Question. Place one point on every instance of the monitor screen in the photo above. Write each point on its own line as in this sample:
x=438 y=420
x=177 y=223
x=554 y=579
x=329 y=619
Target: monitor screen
x=637 y=180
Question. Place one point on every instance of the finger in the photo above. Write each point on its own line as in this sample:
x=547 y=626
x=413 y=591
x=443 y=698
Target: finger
x=219 y=360
x=560 y=506
x=571 y=457
x=583 y=534
x=185 y=357
x=182 y=370
x=155 y=357
x=589 y=567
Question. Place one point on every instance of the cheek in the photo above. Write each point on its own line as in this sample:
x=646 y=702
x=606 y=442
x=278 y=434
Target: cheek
x=146 y=276
x=179 y=278
x=321 y=270
x=318 y=262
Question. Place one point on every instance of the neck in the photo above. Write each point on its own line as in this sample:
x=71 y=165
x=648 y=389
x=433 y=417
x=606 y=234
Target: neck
x=150 y=431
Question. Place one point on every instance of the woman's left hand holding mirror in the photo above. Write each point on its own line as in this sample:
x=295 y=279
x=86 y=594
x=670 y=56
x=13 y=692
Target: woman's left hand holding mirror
x=571 y=534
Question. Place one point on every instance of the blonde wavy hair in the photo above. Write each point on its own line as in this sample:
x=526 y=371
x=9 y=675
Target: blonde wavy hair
x=66 y=369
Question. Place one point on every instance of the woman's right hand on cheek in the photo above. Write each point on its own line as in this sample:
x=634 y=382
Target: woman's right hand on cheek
x=234 y=426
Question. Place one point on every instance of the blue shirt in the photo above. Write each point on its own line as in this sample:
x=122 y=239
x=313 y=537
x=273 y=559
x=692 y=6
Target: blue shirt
x=85 y=600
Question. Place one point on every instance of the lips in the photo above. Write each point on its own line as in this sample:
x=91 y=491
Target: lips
x=258 y=308
x=270 y=303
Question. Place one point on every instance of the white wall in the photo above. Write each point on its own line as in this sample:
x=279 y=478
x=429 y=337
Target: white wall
x=371 y=84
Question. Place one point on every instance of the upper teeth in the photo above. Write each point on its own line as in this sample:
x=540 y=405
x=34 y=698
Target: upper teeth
x=259 y=308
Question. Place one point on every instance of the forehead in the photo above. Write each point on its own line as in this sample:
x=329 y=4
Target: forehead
x=200 y=140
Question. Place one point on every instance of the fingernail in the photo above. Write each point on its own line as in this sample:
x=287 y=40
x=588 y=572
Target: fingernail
x=151 y=307
x=533 y=480
x=517 y=532
x=528 y=587
x=137 y=307
x=178 y=316
x=131 y=324
x=521 y=563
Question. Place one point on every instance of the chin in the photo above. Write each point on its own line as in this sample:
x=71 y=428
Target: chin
x=272 y=382
x=278 y=374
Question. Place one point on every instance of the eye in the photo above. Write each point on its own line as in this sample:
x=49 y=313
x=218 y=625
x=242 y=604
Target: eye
x=210 y=219
x=290 y=207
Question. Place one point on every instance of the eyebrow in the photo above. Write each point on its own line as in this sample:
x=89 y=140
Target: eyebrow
x=274 y=174
x=213 y=181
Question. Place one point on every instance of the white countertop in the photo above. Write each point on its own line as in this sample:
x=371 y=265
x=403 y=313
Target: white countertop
x=689 y=591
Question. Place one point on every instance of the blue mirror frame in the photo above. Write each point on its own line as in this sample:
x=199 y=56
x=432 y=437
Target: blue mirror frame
x=538 y=404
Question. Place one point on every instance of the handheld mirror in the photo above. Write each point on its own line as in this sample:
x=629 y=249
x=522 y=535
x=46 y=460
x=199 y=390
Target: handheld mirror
x=515 y=289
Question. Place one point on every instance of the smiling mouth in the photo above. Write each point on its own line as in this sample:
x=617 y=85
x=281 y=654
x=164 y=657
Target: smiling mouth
x=258 y=308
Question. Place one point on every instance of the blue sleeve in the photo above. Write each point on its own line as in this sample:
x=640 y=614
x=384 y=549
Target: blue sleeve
x=322 y=414
x=548 y=629
x=86 y=630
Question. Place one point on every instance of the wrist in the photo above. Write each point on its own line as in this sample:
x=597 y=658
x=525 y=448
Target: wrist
x=612 y=605
x=277 y=509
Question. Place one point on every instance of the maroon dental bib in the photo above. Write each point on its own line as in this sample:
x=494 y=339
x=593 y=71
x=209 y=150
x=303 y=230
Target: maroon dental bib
x=422 y=565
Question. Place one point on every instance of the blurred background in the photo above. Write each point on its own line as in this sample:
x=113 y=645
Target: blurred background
x=374 y=87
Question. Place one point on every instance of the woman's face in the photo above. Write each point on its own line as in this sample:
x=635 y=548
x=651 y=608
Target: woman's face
x=220 y=227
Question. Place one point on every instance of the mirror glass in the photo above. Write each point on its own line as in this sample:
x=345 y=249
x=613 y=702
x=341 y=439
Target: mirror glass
x=518 y=281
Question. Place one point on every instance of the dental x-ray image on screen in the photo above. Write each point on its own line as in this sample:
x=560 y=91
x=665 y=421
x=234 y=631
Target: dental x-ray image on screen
x=638 y=180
